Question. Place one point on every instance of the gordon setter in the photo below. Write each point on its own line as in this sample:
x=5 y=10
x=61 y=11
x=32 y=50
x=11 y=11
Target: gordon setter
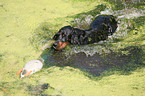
x=100 y=29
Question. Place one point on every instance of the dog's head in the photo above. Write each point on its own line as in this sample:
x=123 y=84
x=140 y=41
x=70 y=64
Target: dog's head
x=63 y=37
x=64 y=34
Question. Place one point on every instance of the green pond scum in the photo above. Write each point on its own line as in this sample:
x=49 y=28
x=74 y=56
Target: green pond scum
x=115 y=67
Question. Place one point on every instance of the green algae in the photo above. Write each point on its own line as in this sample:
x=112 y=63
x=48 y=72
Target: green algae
x=21 y=19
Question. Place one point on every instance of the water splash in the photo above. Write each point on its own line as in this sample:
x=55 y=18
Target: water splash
x=125 y=23
x=124 y=18
x=83 y=22
x=125 y=13
x=89 y=50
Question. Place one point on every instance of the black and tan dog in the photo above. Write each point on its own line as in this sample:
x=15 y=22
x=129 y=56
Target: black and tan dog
x=100 y=29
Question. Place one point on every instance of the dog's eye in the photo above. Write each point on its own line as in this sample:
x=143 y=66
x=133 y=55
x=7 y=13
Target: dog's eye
x=63 y=35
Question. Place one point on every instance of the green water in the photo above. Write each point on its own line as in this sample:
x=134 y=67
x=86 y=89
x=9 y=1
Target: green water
x=21 y=21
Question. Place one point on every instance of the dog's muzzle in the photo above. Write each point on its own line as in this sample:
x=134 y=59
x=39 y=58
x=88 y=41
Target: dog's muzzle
x=58 y=45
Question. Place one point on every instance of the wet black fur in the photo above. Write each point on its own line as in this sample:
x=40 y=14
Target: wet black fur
x=100 y=29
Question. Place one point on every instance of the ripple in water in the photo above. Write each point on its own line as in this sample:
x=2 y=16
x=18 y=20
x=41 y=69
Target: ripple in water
x=124 y=18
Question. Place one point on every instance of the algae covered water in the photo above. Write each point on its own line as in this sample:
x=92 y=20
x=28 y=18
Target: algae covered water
x=111 y=67
x=99 y=57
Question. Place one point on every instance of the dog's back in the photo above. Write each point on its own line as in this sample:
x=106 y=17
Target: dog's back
x=104 y=22
x=101 y=28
